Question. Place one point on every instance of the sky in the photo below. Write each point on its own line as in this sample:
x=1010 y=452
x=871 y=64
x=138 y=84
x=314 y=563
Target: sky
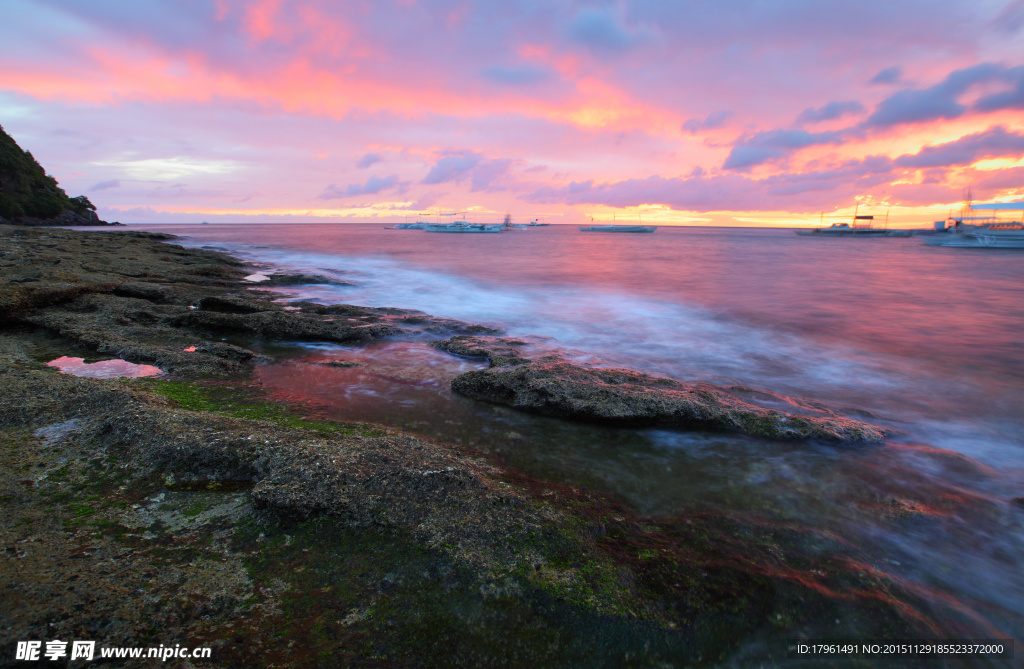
x=693 y=112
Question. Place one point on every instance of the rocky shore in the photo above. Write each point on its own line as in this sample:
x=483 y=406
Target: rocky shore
x=551 y=385
x=190 y=510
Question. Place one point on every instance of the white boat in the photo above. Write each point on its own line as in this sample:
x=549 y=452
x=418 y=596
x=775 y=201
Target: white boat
x=409 y=226
x=619 y=228
x=982 y=232
x=992 y=236
x=846 y=230
x=463 y=226
x=860 y=226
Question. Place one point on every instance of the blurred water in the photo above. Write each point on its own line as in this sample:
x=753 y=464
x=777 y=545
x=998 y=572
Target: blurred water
x=927 y=338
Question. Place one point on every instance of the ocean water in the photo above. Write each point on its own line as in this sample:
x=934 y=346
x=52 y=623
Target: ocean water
x=929 y=340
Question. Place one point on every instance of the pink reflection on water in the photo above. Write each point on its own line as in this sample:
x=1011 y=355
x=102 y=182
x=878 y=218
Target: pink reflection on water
x=104 y=369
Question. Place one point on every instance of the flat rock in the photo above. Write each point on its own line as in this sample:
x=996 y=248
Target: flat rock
x=553 y=386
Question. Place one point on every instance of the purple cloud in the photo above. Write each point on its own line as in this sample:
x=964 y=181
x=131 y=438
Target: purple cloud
x=516 y=75
x=487 y=172
x=795 y=191
x=367 y=160
x=832 y=110
x=1010 y=99
x=711 y=121
x=603 y=32
x=890 y=75
x=930 y=104
x=1011 y=18
x=452 y=167
x=966 y=150
x=773 y=145
x=103 y=185
x=372 y=186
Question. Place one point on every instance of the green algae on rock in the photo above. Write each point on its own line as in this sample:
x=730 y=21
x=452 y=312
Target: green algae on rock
x=553 y=386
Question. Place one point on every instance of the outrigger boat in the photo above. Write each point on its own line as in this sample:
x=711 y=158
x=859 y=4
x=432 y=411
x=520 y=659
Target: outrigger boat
x=463 y=226
x=454 y=226
x=860 y=226
x=619 y=228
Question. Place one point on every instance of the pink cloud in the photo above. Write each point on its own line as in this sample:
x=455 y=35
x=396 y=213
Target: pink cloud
x=229 y=101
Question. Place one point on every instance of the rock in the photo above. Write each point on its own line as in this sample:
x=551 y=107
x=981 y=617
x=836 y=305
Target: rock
x=52 y=434
x=302 y=279
x=236 y=305
x=499 y=351
x=552 y=386
x=144 y=291
x=1019 y=501
x=334 y=363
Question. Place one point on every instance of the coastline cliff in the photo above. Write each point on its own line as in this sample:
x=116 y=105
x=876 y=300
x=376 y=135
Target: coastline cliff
x=30 y=196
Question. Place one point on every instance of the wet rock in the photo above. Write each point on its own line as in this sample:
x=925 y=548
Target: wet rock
x=52 y=434
x=332 y=363
x=236 y=305
x=1018 y=501
x=390 y=480
x=552 y=386
x=282 y=326
x=499 y=351
x=145 y=291
x=302 y=279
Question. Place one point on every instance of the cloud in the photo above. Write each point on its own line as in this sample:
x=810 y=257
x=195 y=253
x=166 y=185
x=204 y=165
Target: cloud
x=487 y=172
x=795 y=191
x=515 y=75
x=997 y=180
x=1009 y=99
x=940 y=101
x=712 y=121
x=832 y=110
x=966 y=150
x=452 y=167
x=481 y=172
x=367 y=160
x=603 y=32
x=103 y=185
x=1011 y=18
x=372 y=186
x=890 y=75
x=775 y=144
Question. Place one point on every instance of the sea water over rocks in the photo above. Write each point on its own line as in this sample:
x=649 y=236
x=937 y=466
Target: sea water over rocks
x=554 y=386
x=926 y=340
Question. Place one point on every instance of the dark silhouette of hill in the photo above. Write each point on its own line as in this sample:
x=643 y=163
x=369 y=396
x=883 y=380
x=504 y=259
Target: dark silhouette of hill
x=30 y=196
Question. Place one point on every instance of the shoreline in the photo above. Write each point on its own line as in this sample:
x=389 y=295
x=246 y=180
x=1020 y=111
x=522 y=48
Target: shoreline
x=263 y=525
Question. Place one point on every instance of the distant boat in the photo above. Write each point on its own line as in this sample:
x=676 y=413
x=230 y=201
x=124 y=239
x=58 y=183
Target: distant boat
x=463 y=226
x=983 y=232
x=860 y=226
x=204 y=223
x=619 y=228
x=847 y=230
x=409 y=226
x=989 y=236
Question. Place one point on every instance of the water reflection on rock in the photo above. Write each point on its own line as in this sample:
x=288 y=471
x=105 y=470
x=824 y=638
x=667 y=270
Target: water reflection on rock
x=104 y=369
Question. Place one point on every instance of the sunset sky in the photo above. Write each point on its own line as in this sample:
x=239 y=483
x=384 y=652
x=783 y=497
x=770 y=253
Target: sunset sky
x=746 y=112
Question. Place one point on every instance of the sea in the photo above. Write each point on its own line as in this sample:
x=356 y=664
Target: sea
x=926 y=341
